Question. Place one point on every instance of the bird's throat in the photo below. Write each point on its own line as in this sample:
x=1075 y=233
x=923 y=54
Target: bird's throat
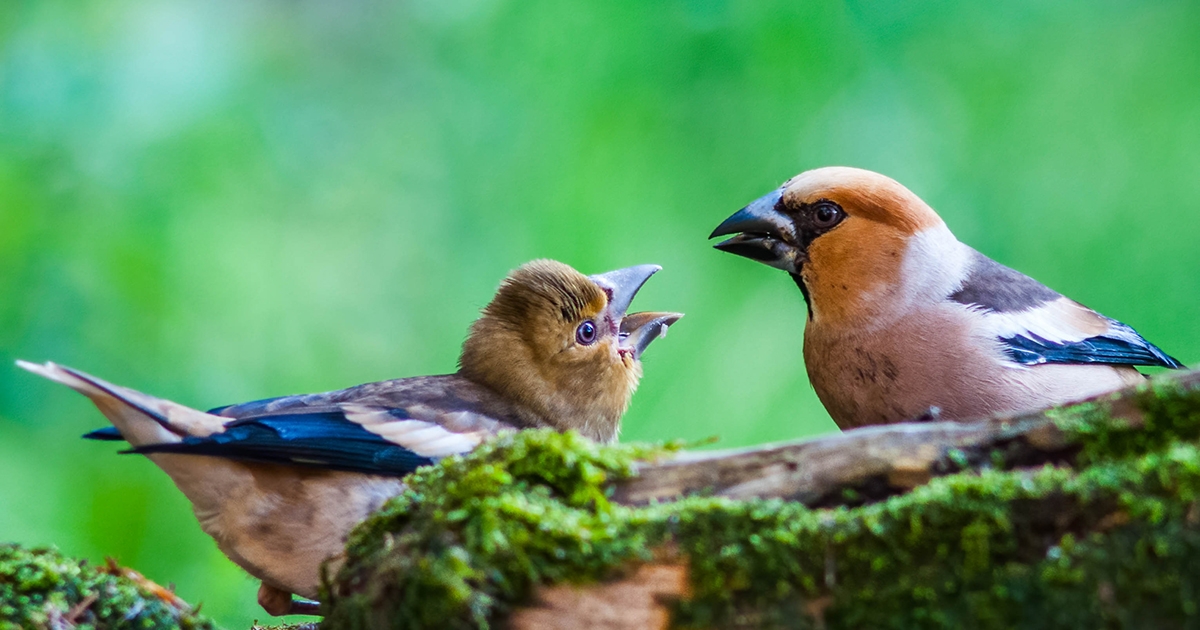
x=803 y=291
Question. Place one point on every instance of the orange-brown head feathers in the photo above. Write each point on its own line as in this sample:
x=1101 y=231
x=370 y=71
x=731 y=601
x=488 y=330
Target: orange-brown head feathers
x=843 y=233
x=553 y=341
x=862 y=194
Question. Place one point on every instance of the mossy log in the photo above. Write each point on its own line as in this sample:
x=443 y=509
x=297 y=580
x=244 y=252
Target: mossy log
x=1083 y=516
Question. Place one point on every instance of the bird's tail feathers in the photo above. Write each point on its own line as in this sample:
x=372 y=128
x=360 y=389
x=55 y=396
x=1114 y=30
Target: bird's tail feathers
x=128 y=409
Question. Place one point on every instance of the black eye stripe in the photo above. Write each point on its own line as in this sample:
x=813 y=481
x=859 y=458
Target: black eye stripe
x=812 y=219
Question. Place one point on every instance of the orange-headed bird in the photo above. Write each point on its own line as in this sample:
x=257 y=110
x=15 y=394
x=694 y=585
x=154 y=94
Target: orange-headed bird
x=904 y=320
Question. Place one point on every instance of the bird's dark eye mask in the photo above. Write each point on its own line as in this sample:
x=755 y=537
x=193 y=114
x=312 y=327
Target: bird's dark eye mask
x=778 y=232
x=813 y=219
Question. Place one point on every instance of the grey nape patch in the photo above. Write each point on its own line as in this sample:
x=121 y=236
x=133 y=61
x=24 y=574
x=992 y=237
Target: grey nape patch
x=995 y=287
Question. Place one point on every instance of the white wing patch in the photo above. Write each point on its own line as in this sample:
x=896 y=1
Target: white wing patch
x=427 y=439
x=1058 y=321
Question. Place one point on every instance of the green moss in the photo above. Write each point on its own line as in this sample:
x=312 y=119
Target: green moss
x=1171 y=412
x=40 y=588
x=472 y=535
x=996 y=549
x=1115 y=543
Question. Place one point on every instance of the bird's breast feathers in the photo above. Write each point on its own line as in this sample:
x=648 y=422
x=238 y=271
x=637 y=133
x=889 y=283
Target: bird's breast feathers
x=967 y=335
x=1030 y=323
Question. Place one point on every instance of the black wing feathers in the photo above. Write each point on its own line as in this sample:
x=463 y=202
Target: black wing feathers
x=1123 y=346
x=324 y=440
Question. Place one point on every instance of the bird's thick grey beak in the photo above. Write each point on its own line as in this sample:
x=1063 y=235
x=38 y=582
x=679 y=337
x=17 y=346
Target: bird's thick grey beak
x=622 y=285
x=762 y=233
x=639 y=329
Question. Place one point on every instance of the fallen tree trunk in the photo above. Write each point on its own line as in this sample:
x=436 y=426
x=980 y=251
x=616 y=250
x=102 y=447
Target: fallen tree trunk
x=1082 y=516
x=890 y=459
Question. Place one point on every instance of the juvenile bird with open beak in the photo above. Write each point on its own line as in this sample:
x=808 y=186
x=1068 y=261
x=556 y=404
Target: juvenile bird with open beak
x=905 y=321
x=280 y=482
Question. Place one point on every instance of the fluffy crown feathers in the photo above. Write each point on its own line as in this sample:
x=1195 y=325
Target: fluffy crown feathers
x=548 y=286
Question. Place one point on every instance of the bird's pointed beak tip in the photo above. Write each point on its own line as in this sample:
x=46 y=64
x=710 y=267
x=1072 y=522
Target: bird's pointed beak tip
x=638 y=330
x=725 y=244
x=757 y=247
x=733 y=224
x=760 y=232
x=758 y=216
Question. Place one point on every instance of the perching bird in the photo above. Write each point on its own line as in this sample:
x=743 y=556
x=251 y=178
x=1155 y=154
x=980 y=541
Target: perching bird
x=905 y=321
x=282 y=481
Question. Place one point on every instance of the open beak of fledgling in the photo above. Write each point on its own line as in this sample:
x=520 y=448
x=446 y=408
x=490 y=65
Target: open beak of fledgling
x=639 y=329
x=634 y=331
x=763 y=233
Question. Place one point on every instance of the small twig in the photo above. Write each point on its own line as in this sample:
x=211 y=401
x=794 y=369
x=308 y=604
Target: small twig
x=72 y=615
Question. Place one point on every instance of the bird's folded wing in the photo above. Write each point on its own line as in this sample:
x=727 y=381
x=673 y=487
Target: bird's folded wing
x=1036 y=324
x=304 y=403
x=1121 y=347
x=353 y=438
x=1063 y=331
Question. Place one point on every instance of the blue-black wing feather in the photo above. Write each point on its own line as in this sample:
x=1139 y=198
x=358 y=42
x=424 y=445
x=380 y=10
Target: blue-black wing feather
x=240 y=410
x=323 y=440
x=106 y=434
x=1122 y=345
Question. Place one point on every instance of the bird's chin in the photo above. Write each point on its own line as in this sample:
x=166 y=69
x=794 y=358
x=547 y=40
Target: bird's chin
x=766 y=249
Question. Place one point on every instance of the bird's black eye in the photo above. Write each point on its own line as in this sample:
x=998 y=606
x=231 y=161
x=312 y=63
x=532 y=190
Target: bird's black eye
x=827 y=214
x=586 y=333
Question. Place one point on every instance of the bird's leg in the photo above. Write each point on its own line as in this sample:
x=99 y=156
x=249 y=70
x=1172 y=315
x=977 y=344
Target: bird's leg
x=275 y=601
x=279 y=602
x=301 y=606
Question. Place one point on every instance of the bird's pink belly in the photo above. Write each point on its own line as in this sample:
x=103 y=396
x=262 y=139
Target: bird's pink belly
x=862 y=384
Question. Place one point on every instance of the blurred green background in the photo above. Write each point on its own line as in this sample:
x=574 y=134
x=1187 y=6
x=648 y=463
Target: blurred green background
x=221 y=201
